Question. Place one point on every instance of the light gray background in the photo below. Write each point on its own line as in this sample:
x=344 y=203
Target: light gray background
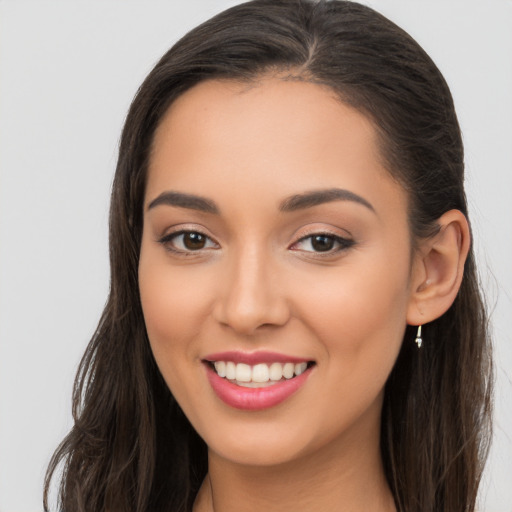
x=68 y=71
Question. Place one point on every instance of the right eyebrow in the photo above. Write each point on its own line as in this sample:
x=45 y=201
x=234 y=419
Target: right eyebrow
x=316 y=197
x=182 y=200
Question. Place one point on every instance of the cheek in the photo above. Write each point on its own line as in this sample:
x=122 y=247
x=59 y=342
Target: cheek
x=173 y=314
x=172 y=296
x=360 y=312
x=174 y=308
x=359 y=319
x=166 y=306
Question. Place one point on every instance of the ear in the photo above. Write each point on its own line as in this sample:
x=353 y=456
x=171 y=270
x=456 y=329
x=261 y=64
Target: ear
x=437 y=270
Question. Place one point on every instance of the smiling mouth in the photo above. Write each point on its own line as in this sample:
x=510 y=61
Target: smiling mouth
x=259 y=375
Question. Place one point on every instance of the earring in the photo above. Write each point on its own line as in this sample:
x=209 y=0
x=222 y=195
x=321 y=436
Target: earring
x=419 y=339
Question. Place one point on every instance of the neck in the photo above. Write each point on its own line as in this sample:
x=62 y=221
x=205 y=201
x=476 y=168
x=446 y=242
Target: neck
x=344 y=475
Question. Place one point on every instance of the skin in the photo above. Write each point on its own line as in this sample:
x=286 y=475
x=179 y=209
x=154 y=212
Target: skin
x=259 y=284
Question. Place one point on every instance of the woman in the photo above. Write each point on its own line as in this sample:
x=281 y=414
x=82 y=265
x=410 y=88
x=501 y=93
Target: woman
x=294 y=319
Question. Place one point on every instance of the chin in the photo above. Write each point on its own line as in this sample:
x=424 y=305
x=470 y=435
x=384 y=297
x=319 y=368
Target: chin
x=257 y=455
x=261 y=443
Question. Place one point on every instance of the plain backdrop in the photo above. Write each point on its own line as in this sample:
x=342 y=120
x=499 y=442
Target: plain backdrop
x=68 y=71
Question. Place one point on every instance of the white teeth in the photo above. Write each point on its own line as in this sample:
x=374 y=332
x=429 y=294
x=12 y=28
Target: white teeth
x=230 y=370
x=243 y=372
x=220 y=367
x=300 y=368
x=260 y=374
x=276 y=371
x=288 y=370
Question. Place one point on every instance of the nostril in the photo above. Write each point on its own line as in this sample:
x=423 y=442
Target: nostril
x=247 y=305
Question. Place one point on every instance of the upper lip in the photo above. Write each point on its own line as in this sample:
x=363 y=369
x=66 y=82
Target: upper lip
x=252 y=358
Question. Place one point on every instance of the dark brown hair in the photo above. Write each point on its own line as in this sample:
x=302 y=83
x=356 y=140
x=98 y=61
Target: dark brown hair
x=131 y=447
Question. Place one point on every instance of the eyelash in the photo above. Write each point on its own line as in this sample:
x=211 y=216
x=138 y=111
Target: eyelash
x=343 y=243
x=167 y=240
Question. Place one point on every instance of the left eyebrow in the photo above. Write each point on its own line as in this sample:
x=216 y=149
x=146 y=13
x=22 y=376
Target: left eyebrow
x=317 y=197
x=190 y=201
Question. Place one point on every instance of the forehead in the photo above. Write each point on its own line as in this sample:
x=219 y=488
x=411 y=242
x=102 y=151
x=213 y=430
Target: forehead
x=231 y=112
x=264 y=137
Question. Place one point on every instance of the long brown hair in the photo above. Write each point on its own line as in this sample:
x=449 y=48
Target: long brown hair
x=131 y=447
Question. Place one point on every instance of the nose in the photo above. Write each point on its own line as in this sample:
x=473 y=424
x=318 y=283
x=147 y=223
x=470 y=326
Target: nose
x=250 y=296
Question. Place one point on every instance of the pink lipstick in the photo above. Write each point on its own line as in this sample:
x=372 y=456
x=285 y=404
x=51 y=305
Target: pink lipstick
x=258 y=380
x=254 y=357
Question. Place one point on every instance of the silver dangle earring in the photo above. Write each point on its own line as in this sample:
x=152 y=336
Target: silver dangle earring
x=419 y=339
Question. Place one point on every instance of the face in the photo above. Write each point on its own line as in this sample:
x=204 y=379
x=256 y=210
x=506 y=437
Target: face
x=275 y=268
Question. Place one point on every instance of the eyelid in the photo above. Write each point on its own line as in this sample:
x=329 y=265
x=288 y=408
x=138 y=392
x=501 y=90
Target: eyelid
x=176 y=231
x=344 y=242
x=184 y=228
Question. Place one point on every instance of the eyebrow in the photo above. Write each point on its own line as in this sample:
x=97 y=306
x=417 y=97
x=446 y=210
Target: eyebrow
x=317 y=197
x=290 y=204
x=182 y=200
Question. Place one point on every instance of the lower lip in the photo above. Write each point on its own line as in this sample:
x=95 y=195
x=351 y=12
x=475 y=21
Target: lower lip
x=254 y=399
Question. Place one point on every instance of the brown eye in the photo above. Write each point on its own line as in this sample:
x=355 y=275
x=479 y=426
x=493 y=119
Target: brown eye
x=194 y=241
x=187 y=241
x=322 y=243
